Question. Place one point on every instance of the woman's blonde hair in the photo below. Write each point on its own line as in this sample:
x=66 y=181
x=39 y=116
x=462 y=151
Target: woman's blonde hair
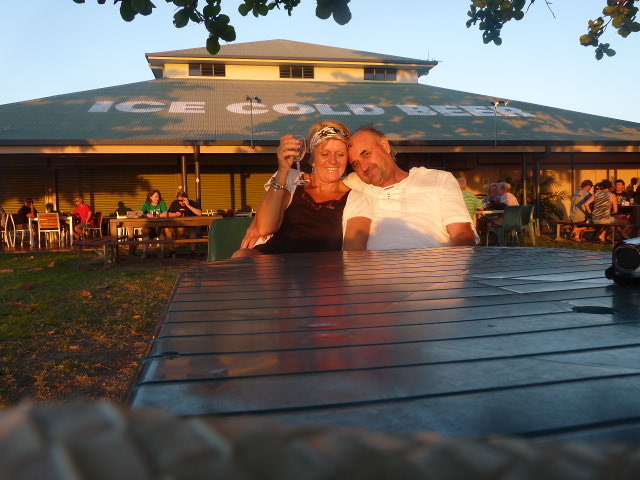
x=326 y=130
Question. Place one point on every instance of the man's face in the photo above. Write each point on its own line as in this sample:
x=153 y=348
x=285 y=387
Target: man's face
x=78 y=201
x=371 y=158
x=619 y=187
x=182 y=200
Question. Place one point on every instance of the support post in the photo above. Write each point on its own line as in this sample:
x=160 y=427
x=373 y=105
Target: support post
x=183 y=168
x=196 y=161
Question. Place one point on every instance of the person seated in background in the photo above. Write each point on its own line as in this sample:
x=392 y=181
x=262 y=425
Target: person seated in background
x=183 y=207
x=631 y=188
x=506 y=197
x=472 y=202
x=580 y=210
x=605 y=204
x=154 y=206
x=492 y=200
x=84 y=214
x=27 y=211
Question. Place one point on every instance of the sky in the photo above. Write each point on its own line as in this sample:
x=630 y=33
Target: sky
x=53 y=47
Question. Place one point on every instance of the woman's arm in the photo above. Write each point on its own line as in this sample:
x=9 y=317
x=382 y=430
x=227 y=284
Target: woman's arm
x=271 y=211
x=356 y=233
x=614 y=204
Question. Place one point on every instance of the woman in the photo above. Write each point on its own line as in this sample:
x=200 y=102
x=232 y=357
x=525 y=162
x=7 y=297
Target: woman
x=308 y=217
x=604 y=205
x=506 y=197
x=154 y=206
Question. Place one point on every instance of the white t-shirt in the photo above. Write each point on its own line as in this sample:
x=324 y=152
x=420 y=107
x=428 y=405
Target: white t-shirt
x=413 y=213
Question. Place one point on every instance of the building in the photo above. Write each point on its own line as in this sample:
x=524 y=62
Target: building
x=210 y=125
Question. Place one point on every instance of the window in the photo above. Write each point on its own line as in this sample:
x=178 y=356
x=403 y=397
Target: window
x=295 y=71
x=383 y=74
x=207 y=70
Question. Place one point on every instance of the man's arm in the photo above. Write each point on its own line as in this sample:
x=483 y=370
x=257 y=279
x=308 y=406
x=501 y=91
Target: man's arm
x=461 y=234
x=356 y=233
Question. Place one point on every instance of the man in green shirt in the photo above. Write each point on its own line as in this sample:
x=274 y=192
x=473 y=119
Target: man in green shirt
x=472 y=202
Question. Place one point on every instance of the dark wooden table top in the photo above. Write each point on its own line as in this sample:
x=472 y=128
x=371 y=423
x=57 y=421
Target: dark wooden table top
x=463 y=341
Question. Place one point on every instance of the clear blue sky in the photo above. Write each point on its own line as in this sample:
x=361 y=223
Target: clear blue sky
x=51 y=47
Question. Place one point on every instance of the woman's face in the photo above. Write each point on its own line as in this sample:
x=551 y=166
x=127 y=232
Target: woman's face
x=155 y=198
x=330 y=160
x=493 y=191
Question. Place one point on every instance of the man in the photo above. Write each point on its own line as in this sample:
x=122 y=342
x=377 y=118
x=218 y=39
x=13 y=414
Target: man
x=21 y=219
x=183 y=207
x=580 y=209
x=390 y=208
x=620 y=192
x=472 y=202
x=84 y=213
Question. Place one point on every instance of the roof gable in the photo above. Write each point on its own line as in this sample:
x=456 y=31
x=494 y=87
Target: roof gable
x=291 y=50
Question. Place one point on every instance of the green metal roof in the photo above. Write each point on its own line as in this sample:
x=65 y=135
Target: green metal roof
x=178 y=111
x=290 y=50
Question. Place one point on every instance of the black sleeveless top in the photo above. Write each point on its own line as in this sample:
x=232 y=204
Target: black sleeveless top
x=308 y=226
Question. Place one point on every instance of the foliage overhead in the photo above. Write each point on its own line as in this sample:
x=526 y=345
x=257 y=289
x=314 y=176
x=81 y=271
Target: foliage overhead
x=489 y=15
x=209 y=13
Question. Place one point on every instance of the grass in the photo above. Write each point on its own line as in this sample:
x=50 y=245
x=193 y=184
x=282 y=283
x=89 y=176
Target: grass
x=67 y=331
x=70 y=332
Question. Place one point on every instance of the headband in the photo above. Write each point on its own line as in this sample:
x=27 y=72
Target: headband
x=324 y=133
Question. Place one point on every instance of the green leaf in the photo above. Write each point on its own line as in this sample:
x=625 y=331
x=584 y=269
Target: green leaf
x=519 y=15
x=342 y=14
x=635 y=27
x=618 y=21
x=599 y=54
x=211 y=10
x=228 y=34
x=80 y=1
x=323 y=11
x=100 y=2
x=213 y=45
x=182 y=3
x=497 y=41
x=244 y=9
x=181 y=18
x=610 y=52
x=126 y=12
x=137 y=5
x=148 y=8
x=222 y=20
x=262 y=9
x=194 y=17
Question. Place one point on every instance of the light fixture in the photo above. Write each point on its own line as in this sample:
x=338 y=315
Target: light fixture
x=496 y=104
x=251 y=100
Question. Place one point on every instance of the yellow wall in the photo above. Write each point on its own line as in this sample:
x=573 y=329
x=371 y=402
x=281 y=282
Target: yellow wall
x=272 y=72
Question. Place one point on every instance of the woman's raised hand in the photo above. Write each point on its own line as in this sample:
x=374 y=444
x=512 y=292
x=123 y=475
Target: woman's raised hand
x=288 y=151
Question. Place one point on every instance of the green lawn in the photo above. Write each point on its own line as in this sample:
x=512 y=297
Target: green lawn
x=67 y=331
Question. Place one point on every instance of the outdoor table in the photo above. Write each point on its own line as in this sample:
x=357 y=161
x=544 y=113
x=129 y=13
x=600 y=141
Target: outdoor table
x=132 y=223
x=460 y=340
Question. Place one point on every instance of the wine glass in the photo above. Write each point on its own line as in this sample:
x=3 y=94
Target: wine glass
x=301 y=153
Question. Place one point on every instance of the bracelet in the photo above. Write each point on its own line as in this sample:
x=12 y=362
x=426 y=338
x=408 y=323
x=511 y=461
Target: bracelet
x=277 y=186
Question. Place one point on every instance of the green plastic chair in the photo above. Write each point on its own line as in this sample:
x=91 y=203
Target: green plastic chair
x=512 y=225
x=225 y=236
x=528 y=223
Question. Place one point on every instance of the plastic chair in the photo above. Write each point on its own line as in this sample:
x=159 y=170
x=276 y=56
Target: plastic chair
x=511 y=225
x=96 y=230
x=8 y=230
x=225 y=236
x=25 y=233
x=48 y=224
x=527 y=222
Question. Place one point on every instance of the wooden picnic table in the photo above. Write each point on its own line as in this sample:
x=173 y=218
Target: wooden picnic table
x=463 y=341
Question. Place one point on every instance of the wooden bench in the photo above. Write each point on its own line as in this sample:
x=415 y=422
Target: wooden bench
x=110 y=246
x=567 y=225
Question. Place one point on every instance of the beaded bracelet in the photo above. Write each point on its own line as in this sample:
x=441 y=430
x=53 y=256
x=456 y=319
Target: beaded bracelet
x=277 y=186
